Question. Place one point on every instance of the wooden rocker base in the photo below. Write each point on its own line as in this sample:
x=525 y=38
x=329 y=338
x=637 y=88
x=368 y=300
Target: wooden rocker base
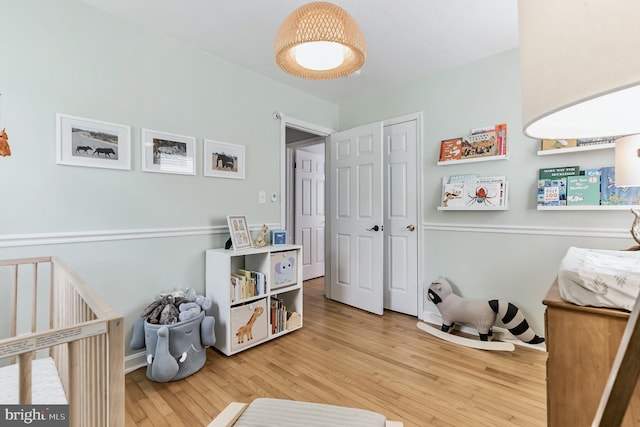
x=467 y=342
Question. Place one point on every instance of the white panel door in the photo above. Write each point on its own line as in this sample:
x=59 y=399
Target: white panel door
x=309 y=223
x=356 y=220
x=401 y=218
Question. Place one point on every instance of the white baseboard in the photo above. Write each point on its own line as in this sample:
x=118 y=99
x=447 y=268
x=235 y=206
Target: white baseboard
x=135 y=361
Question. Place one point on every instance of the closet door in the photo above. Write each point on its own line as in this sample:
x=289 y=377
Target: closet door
x=401 y=217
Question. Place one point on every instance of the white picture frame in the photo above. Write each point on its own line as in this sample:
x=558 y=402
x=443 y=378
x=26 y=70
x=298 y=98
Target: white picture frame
x=164 y=152
x=223 y=160
x=81 y=141
x=239 y=231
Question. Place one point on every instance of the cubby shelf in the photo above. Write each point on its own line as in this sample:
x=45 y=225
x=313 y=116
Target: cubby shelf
x=234 y=333
x=576 y=149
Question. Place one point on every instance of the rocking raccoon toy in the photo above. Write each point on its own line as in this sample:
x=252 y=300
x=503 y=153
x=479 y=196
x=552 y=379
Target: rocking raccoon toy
x=478 y=313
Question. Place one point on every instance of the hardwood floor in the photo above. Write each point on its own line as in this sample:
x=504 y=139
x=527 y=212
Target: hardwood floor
x=348 y=357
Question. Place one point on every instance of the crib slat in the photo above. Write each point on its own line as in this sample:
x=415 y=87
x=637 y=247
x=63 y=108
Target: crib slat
x=14 y=310
x=75 y=390
x=24 y=377
x=34 y=309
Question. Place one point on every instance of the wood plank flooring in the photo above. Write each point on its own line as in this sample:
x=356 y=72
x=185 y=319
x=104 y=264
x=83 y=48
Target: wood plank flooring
x=348 y=357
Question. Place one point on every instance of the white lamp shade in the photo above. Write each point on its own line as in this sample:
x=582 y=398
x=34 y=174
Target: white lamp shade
x=628 y=161
x=580 y=67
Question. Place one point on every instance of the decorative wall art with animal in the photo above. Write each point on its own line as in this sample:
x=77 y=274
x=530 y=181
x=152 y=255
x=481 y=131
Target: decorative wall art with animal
x=480 y=314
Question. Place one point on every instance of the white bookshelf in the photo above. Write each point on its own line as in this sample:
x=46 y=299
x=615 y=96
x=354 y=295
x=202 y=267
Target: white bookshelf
x=220 y=264
x=576 y=149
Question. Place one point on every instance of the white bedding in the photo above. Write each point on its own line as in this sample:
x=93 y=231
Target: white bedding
x=600 y=278
x=46 y=387
x=266 y=412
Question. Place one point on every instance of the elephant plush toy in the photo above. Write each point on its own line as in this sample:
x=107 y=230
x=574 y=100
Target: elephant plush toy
x=176 y=350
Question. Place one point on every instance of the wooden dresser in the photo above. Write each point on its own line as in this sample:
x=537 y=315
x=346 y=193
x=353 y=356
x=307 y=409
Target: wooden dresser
x=582 y=343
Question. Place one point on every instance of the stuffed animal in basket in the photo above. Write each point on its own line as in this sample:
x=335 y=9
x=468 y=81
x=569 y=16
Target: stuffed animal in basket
x=175 y=337
x=480 y=314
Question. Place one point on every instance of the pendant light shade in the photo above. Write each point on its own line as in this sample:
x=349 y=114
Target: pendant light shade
x=580 y=67
x=320 y=41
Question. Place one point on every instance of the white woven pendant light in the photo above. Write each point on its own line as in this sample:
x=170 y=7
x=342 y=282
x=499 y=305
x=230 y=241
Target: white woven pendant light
x=319 y=32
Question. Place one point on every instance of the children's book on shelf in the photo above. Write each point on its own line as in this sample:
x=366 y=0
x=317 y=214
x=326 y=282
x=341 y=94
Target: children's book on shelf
x=474 y=192
x=583 y=190
x=552 y=192
x=481 y=142
x=585 y=142
x=557 y=144
x=451 y=149
x=612 y=195
x=452 y=194
x=246 y=284
x=560 y=172
x=487 y=192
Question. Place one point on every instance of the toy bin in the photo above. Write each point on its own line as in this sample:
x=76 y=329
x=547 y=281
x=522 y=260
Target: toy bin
x=284 y=269
x=249 y=324
x=185 y=347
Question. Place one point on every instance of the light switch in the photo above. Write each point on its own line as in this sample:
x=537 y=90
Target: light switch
x=262 y=197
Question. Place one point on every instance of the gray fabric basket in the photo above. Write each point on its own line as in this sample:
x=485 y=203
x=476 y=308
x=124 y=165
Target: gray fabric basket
x=183 y=337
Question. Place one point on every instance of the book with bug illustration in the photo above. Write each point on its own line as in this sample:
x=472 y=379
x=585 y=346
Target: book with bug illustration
x=486 y=192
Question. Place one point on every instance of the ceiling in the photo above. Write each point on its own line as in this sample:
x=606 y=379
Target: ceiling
x=406 y=39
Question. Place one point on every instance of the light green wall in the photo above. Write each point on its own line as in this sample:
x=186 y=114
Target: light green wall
x=511 y=254
x=65 y=57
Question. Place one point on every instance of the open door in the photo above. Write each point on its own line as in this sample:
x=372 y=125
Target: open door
x=356 y=217
x=309 y=212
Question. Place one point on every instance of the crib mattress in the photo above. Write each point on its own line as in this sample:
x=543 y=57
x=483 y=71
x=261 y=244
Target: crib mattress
x=600 y=278
x=46 y=387
x=267 y=412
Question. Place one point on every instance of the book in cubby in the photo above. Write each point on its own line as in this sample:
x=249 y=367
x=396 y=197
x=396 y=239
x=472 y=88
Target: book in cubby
x=247 y=284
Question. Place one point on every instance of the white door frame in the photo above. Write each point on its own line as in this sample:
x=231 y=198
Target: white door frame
x=286 y=174
x=287 y=121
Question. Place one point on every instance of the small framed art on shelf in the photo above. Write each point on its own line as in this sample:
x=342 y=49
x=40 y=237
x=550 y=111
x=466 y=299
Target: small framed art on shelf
x=278 y=237
x=239 y=231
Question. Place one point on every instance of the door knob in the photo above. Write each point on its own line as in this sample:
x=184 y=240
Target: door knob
x=411 y=227
x=374 y=228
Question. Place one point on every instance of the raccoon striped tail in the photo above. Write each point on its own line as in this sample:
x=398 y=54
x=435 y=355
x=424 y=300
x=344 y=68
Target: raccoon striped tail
x=515 y=322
